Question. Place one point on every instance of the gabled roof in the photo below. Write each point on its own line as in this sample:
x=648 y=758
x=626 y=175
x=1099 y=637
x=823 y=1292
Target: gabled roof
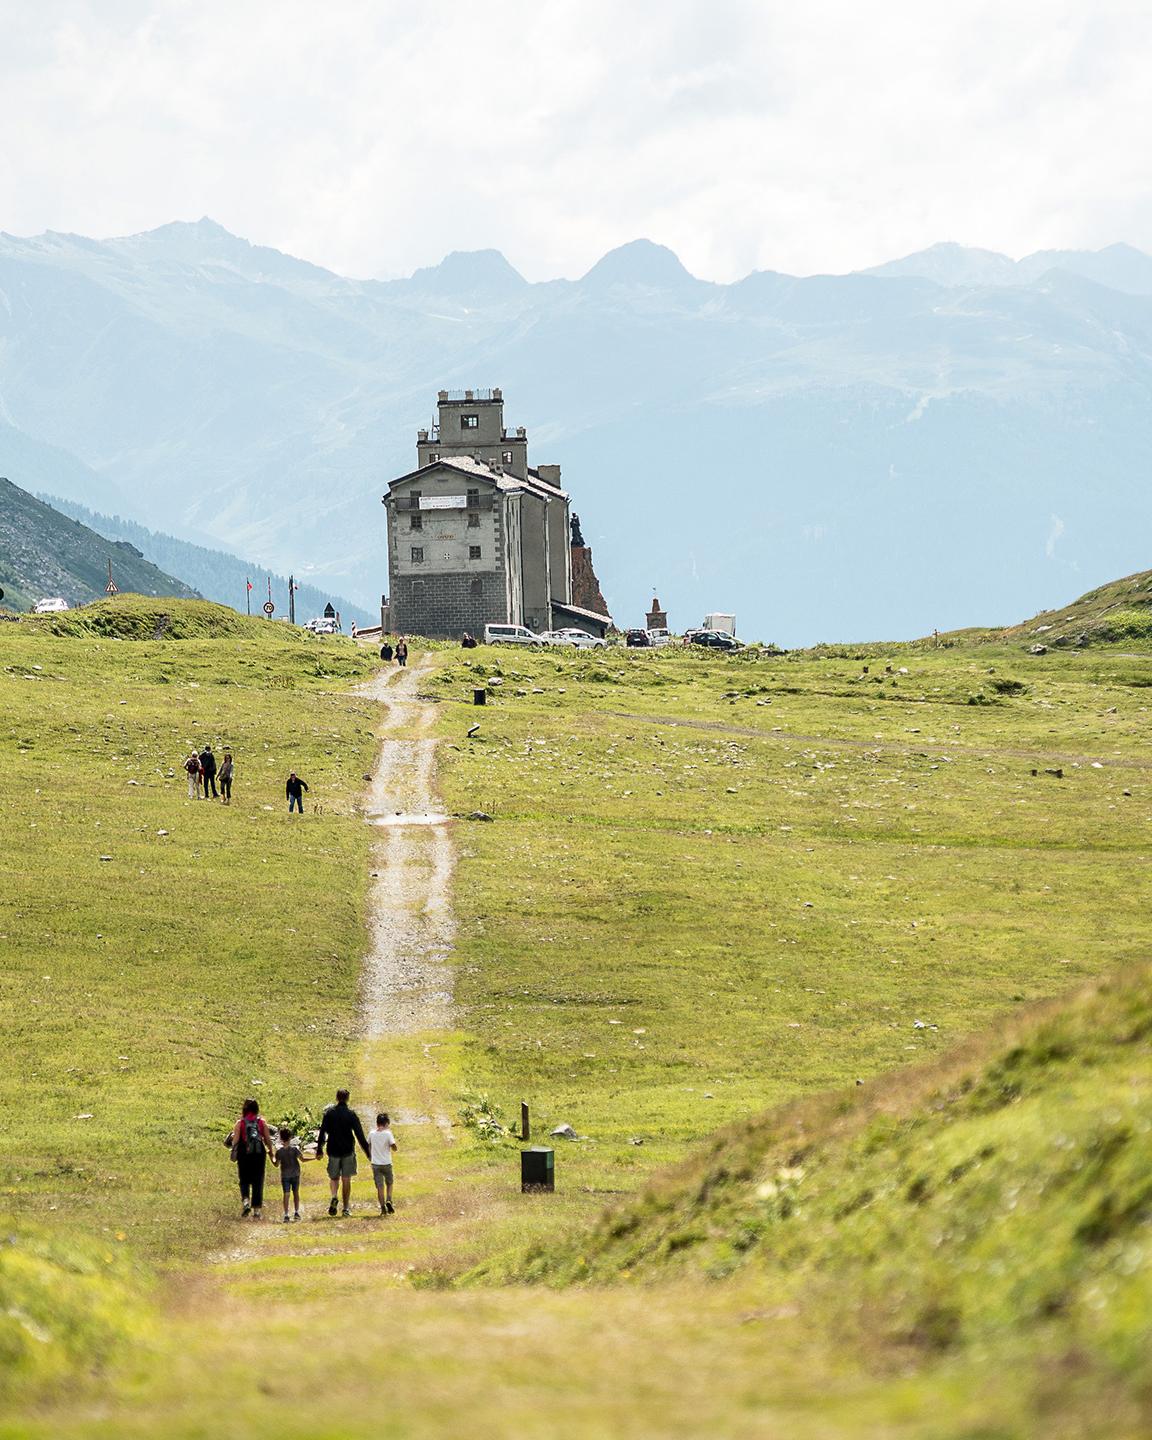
x=474 y=469
x=464 y=465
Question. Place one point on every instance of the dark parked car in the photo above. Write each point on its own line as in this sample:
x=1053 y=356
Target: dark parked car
x=713 y=639
x=638 y=638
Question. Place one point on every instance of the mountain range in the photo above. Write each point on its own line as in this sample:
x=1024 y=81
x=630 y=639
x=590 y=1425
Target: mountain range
x=44 y=554
x=943 y=440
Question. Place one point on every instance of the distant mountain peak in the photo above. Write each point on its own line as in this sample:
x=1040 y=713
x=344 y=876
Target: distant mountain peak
x=640 y=262
x=465 y=271
x=949 y=263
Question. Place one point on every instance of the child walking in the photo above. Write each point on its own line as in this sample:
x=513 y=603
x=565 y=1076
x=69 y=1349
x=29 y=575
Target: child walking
x=381 y=1144
x=288 y=1158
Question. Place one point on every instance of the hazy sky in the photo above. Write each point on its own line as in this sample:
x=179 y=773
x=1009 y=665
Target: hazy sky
x=373 y=136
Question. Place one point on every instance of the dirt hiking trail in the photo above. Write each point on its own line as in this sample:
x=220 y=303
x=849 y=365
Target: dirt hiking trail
x=406 y=1011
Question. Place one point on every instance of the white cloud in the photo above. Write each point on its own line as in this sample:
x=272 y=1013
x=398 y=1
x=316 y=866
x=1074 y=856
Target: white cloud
x=373 y=136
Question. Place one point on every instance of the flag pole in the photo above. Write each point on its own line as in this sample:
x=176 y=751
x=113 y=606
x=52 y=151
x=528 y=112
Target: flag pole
x=248 y=593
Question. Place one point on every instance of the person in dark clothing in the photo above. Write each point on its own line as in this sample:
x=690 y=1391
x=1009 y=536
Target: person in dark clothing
x=402 y=651
x=208 y=771
x=225 y=776
x=468 y=642
x=251 y=1146
x=386 y=651
x=294 y=789
x=341 y=1128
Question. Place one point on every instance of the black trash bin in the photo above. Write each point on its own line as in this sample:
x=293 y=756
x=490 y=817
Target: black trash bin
x=479 y=697
x=537 y=1169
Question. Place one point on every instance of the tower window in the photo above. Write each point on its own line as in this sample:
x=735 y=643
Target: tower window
x=417 y=554
x=433 y=456
x=474 y=496
x=473 y=522
x=416 y=522
x=474 y=552
x=469 y=422
x=476 y=587
x=506 y=456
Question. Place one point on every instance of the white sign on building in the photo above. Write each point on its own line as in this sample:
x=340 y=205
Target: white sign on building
x=443 y=502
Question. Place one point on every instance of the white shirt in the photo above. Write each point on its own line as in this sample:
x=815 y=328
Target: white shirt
x=380 y=1143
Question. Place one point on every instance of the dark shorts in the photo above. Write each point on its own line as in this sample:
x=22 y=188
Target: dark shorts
x=382 y=1174
x=289 y=1182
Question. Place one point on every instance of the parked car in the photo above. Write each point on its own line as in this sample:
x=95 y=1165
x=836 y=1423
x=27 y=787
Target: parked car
x=322 y=625
x=511 y=635
x=51 y=606
x=661 y=637
x=713 y=639
x=579 y=639
x=638 y=639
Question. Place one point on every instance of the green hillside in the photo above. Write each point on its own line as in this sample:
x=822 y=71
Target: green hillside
x=44 y=553
x=1114 y=613
x=996 y=1202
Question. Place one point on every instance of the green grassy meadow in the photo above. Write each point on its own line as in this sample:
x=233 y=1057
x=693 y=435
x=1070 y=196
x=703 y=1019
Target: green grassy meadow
x=164 y=957
x=715 y=893
x=712 y=883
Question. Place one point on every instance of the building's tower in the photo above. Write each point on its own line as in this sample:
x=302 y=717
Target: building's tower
x=471 y=422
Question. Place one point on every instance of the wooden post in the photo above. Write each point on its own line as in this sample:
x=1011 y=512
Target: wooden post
x=525 y=1127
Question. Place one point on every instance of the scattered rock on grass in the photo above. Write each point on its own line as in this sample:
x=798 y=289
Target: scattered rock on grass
x=564 y=1132
x=479 y=815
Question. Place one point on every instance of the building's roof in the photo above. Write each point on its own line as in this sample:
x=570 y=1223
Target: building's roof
x=585 y=614
x=547 y=484
x=465 y=465
x=481 y=470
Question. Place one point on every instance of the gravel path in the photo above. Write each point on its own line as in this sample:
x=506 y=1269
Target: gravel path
x=406 y=985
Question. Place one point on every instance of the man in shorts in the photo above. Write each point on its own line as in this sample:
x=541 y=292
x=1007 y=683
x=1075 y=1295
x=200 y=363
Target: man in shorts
x=342 y=1130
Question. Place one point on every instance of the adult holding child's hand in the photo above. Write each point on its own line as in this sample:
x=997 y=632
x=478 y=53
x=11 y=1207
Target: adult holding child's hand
x=343 y=1131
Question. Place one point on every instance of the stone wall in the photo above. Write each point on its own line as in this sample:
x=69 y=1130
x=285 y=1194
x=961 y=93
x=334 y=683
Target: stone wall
x=443 y=606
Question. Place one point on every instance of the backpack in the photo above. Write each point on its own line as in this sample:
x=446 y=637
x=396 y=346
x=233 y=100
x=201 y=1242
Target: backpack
x=251 y=1138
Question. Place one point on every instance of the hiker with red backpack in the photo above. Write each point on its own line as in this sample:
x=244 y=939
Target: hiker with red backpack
x=251 y=1145
x=192 y=767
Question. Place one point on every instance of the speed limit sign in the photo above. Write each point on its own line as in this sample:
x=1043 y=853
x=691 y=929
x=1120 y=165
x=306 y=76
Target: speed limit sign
x=269 y=608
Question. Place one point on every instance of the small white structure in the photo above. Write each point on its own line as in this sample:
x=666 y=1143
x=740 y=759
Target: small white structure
x=50 y=606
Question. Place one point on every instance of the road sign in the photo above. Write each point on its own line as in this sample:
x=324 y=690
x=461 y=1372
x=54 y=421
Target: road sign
x=269 y=608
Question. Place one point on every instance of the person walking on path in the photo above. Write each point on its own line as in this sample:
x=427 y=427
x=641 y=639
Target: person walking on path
x=192 y=766
x=382 y=1144
x=386 y=650
x=402 y=652
x=224 y=775
x=287 y=1160
x=208 y=766
x=294 y=789
x=251 y=1146
x=341 y=1128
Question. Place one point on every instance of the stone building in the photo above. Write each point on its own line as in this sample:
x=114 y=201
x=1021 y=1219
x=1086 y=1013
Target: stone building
x=476 y=535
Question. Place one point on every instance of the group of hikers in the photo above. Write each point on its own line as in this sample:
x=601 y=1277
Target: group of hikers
x=251 y=1144
x=397 y=652
x=204 y=775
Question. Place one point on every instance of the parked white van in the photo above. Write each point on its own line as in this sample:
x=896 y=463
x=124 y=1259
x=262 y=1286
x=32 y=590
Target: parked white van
x=511 y=635
x=52 y=606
